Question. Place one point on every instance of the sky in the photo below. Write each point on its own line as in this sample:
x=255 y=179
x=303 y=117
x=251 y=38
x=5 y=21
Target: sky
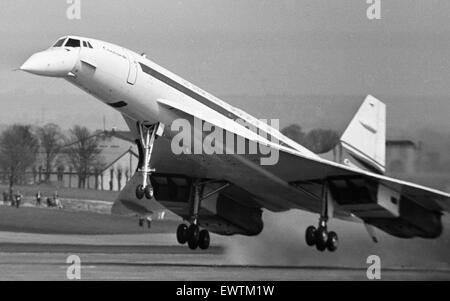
x=251 y=48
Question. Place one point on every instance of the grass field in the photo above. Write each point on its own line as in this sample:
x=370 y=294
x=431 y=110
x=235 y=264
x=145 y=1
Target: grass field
x=55 y=221
x=70 y=193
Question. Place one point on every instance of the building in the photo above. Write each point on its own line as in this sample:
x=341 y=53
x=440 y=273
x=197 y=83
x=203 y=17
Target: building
x=120 y=159
x=117 y=173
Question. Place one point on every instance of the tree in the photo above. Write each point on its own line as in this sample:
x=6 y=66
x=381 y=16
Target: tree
x=83 y=152
x=18 y=152
x=51 y=140
x=119 y=177
x=317 y=140
x=295 y=132
x=321 y=141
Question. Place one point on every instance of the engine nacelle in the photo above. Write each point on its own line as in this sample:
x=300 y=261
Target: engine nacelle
x=386 y=208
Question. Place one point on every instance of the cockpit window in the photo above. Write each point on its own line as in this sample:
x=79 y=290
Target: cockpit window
x=72 y=43
x=59 y=42
x=90 y=46
x=85 y=44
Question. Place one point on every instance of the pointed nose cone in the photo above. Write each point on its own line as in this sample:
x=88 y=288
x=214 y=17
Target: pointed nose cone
x=33 y=65
x=52 y=62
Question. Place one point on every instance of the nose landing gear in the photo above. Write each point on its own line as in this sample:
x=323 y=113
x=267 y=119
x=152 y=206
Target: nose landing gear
x=320 y=237
x=147 y=137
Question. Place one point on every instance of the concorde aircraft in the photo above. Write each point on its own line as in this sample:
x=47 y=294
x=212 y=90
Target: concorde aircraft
x=223 y=189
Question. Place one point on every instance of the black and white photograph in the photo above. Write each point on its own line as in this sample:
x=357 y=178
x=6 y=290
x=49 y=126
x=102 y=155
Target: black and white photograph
x=209 y=142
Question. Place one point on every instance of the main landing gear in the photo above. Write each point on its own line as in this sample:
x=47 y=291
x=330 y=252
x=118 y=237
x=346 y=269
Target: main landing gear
x=147 y=137
x=192 y=235
x=320 y=237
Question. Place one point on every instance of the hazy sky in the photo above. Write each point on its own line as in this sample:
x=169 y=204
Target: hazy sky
x=251 y=47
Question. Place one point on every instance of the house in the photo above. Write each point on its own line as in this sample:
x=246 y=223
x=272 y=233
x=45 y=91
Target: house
x=120 y=160
x=117 y=173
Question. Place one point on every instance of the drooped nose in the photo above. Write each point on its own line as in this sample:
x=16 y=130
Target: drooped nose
x=52 y=62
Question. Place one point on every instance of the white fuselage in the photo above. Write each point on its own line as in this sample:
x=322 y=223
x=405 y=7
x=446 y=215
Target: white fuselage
x=133 y=84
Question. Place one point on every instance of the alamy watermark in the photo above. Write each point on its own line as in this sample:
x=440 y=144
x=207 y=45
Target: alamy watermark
x=373 y=12
x=204 y=138
x=73 y=11
x=374 y=269
x=73 y=271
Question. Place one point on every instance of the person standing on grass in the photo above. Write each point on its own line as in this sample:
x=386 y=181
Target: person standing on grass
x=38 y=198
x=18 y=198
x=56 y=201
x=5 y=197
x=11 y=196
x=149 y=222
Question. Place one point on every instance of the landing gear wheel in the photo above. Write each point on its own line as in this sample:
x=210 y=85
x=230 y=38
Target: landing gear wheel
x=148 y=191
x=332 y=242
x=141 y=222
x=310 y=236
x=204 y=240
x=193 y=236
x=182 y=234
x=140 y=191
x=321 y=239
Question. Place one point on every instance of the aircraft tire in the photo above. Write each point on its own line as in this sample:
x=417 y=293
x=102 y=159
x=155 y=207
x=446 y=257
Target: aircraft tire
x=148 y=192
x=140 y=191
x=321 y=239
x=204 y=239
x=332 y=242
x=193 y=236
x=182 y=234
x=310 y=236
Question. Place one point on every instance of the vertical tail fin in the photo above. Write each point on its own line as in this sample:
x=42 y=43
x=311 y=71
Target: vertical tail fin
x=364 y=141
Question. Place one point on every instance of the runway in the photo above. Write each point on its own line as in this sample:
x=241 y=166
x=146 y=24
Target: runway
x=109 y=257
x=35 y=244
x=160 y=266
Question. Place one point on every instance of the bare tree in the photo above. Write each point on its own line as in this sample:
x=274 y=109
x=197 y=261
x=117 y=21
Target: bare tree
x=83 y=152
x=295 y=132
x=51 y=140
x=321 y=141
x=119 y=177
x=98 y=167
x=18 y=152
x=317 y=140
